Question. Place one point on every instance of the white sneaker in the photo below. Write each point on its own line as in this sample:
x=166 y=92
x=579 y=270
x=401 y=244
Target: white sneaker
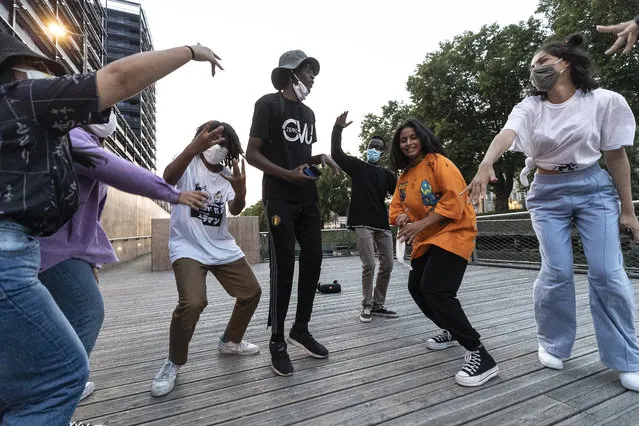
x=164 y=381
x=89 y=387
x=549 y=360
x=242 y=348
x=366 y=315
x=630 y=380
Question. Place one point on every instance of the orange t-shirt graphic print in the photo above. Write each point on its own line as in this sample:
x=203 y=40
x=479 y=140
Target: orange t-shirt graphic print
x=433 y=186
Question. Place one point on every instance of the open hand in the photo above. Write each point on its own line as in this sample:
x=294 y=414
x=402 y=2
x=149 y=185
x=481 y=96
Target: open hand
x=341 y=120
x=627 y=32
x=326 y=159
x=238 y=177
x=193 y=199
x=204 y=54
x=207 y=138
x=477 y=187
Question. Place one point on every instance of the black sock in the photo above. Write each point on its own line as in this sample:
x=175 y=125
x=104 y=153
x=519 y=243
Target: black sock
x=277 y=337
x=300 y=327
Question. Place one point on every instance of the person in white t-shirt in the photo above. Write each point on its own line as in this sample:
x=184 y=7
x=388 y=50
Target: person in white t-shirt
x=199 y=242
x=563 y=130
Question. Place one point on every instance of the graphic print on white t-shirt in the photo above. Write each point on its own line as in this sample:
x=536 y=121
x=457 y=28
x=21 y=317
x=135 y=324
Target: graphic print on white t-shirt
x=212 y=212
x=203 y=234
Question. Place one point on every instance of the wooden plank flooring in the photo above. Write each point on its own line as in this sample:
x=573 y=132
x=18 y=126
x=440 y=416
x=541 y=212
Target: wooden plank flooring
x=380 y=372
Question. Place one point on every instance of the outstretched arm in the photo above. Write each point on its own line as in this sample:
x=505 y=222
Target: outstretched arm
x=486 y=173
x=126 y=77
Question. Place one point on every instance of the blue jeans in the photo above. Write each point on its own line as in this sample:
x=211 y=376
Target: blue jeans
x=43 y=366
x=75 y=291
x=588 y=199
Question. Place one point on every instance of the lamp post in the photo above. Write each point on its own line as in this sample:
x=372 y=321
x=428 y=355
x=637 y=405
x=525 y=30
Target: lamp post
x=58 y=30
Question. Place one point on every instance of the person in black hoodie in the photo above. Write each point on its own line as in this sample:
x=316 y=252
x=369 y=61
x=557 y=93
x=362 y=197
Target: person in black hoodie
x=368 y=217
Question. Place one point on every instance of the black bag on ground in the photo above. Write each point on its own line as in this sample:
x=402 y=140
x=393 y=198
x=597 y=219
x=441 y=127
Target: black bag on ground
x=334 y=287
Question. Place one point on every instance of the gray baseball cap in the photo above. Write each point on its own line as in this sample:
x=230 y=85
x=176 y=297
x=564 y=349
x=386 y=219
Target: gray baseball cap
x=289 y=61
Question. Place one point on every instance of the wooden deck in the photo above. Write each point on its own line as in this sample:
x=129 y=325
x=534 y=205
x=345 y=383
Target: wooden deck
x=380 y=372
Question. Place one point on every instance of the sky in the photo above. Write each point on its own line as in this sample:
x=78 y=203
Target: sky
x=366 y=50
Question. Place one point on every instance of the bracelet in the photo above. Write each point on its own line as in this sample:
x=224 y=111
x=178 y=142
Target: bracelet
x=192 y=52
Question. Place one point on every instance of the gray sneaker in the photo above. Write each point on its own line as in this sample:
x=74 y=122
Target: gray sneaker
x=164 y=381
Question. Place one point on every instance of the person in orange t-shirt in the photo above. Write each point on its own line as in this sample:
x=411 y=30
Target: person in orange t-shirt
x=440 y=225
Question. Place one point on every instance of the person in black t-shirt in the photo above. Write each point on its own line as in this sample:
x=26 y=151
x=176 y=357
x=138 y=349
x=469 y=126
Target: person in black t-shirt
x=368 y=217
x=281 y=136
x=43 y=365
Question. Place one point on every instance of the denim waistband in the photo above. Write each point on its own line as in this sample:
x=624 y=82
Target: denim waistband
x=568 y=177
x=10 y=225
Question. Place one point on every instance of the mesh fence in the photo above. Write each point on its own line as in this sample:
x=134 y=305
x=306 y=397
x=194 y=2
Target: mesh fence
x=335 y=242
x=509 y=240
x=503 y=240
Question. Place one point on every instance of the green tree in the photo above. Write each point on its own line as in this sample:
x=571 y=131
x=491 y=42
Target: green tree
x=257 y=209
x=384 y=125
x=618 y=72
x=334 y=191
x=466 y=89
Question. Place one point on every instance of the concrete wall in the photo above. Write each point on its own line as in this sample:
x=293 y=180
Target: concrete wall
x=126 y=218
x=245 y=230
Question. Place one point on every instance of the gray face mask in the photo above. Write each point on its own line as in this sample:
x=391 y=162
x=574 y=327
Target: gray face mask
x=544 y=77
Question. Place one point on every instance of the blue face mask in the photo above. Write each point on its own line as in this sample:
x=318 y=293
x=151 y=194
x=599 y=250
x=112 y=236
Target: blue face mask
x=372 y=155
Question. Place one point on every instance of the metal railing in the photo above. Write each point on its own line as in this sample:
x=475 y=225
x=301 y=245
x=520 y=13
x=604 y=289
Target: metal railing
x=506 y=240
x=509 y=240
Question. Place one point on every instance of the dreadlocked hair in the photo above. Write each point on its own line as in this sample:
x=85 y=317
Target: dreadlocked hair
x=231 y=142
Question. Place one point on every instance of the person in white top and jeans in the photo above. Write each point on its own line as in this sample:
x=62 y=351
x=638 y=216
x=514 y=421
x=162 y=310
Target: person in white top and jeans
x=563 y=130
x=199 y=242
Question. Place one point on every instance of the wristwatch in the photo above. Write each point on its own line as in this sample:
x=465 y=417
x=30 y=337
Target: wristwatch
x=637 y=19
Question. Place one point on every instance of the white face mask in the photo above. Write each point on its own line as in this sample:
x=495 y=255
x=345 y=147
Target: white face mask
x=215 y=154
x=33 y=74
x=104 y=130
x=301 y=91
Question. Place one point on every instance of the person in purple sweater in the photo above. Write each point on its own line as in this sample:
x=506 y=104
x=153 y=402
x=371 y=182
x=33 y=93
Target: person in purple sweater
x=71 y=256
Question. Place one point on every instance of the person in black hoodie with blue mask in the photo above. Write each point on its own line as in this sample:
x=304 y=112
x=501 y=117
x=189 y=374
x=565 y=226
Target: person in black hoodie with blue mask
x=368 y=217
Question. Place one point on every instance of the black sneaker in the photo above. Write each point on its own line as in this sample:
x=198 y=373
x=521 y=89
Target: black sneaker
x=280 y=362
x=304 y=340
x=381 y=311
x=441 y=340
x=478 y=369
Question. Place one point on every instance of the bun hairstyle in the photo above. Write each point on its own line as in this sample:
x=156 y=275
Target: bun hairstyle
x=575 y=40
x=581 y=68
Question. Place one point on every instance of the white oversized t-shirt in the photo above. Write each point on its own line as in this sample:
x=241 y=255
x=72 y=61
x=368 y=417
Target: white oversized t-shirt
x=571 y=135
x=203 y=234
